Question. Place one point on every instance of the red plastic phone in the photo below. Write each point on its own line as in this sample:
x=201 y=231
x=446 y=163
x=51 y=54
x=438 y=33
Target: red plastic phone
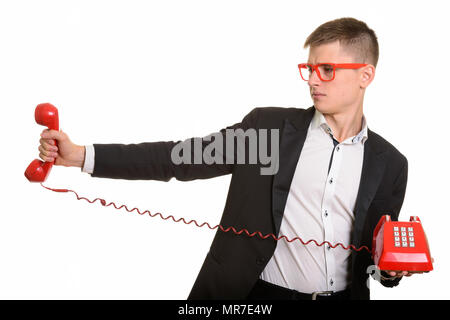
x=45 y=114
x=401 y=246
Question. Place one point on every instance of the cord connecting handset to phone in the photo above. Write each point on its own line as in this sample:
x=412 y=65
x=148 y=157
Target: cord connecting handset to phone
x=395 y=246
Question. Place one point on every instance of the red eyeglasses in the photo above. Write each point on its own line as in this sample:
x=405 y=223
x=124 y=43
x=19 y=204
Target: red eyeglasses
x=325 y=71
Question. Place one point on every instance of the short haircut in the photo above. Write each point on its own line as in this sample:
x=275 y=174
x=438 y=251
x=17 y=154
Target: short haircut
x=354 y=35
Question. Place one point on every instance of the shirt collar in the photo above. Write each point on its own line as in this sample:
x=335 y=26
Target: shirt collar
x=319 y=122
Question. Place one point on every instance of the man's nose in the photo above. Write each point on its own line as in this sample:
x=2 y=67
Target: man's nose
x=313 y=78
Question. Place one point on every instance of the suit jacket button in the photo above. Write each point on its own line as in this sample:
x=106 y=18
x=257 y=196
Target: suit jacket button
x=260 y=261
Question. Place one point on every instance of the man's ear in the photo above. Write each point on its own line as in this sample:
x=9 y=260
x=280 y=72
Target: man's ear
x=367 y=75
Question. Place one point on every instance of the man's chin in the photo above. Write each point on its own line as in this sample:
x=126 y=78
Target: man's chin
x=324 y=109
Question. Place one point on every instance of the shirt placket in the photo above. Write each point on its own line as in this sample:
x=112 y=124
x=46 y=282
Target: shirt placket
x=327 y=211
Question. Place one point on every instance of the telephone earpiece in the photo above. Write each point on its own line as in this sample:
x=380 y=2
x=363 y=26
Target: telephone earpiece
x=45 y=114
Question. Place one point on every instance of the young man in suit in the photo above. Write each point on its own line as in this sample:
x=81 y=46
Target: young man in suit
x=335 y=178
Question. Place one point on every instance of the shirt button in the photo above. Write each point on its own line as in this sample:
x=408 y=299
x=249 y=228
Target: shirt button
x=331 y=180
x=331 y=282
x=326 y=213
x=337 y=148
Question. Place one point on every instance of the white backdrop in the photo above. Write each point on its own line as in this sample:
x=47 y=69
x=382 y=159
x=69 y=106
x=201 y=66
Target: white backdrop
x=135 y=71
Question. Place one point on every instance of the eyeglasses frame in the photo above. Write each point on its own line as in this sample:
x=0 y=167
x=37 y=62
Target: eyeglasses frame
x=335 y=66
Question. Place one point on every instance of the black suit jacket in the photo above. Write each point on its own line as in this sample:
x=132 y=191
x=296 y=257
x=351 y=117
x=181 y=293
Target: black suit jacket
x=256 y=202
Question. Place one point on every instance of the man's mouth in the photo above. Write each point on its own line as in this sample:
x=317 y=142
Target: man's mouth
x=317 y=94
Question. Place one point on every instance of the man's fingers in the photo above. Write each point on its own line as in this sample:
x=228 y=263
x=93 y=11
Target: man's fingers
x=47 y=153
x=403 y=273
x=48 y=144
x=397 y=273
x=45 y=158
x=52 y=134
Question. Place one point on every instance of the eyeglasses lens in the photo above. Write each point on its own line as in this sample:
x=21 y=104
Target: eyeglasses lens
x=326 y=72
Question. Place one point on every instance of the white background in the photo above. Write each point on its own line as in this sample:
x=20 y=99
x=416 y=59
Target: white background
x=135 y=71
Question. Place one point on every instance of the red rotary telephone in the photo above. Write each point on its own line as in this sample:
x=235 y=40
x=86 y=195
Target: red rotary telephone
x=45 y=114
x=401 y=245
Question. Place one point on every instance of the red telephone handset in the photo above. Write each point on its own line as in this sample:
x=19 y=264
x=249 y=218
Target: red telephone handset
x=401 y=246
x=45 y=114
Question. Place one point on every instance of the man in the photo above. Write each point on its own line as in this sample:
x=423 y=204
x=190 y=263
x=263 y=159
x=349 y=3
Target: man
x=335 y=179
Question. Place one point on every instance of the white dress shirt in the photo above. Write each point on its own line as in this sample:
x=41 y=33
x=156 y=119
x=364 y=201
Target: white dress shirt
x=319 y=206
x=89 y=159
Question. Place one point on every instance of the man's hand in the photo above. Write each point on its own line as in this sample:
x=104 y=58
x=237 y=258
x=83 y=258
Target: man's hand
x=399 y=274
x=65 y=154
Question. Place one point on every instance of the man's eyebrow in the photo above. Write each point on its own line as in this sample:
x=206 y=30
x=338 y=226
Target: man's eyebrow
x=318 y=63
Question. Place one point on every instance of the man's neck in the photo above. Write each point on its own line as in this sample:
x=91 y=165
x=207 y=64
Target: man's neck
x=345 y=125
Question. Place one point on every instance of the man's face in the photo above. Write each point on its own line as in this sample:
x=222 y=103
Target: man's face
x=344 y=93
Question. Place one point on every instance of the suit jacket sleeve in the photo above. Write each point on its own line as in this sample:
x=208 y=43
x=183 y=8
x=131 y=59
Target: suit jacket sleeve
x=395 y=205
x=152 y=160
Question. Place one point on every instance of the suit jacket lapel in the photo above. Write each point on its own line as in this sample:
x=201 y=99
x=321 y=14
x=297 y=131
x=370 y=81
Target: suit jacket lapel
x=374 y=164
x=291 y=143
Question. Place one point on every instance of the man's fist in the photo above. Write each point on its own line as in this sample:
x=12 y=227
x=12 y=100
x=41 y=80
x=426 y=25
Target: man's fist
x=65 y=154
